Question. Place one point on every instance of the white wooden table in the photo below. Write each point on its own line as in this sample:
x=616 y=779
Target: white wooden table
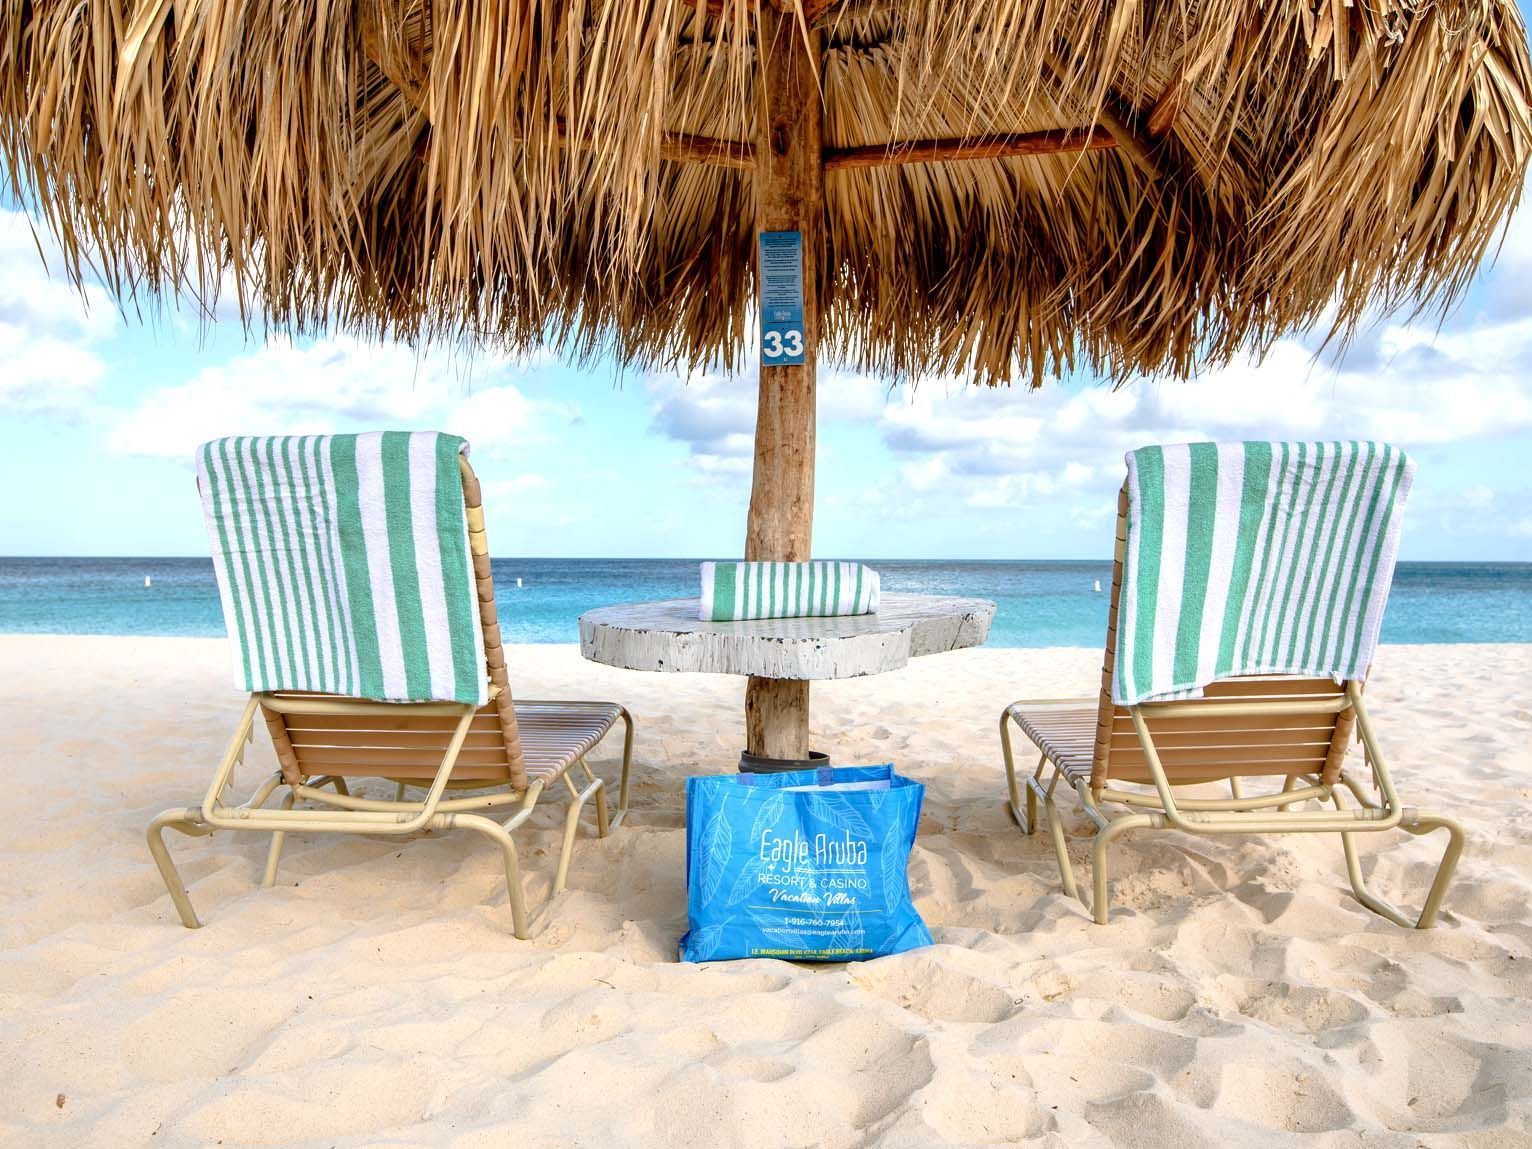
x=668 y=637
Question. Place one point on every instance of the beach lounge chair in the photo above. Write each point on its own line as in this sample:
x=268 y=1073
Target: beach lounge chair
x=1248 y=589
x=355 y=581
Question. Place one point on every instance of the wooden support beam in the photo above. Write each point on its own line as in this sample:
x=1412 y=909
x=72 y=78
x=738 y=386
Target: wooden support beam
x=789 y=196
x=1129 y=141
x=687 y=149
x=1137 y=146
x=985 y=147
x=741 y=154
x=408 y=73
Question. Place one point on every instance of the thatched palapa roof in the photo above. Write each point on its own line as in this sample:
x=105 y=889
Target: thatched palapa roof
x=1119 y=186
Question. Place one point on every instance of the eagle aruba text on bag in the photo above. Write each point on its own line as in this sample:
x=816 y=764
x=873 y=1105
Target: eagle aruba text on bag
x=808 y=865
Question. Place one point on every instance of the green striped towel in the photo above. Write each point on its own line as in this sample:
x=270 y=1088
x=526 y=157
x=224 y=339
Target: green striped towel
x=1255 y=558
x=343 y=564
x=736 y=591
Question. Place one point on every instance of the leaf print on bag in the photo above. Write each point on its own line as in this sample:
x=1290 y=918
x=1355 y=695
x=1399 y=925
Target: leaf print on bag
x=848 y=936
x=895 y=861
x=716 y=847
x=770 y=811
x=837 y=812
x=746 y=883
x=703 y=943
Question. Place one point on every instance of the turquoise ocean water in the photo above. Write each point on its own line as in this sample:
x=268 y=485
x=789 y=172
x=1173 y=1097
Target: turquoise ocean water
x=1039 y=603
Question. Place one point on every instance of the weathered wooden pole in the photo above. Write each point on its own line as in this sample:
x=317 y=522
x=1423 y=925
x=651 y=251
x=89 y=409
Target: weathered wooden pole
x=789 y=197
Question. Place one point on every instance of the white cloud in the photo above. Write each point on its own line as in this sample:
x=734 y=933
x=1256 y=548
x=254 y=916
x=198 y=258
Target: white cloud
x=53 y=362
x=713 y=413
x=337 y=384
x=924 y=474
x=49 y=331
x=1005 y=449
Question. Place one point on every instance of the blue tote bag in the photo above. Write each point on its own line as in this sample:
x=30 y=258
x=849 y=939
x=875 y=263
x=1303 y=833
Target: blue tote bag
x=808 y=865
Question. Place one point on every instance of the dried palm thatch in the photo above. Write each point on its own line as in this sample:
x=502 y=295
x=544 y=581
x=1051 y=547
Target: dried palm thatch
x=1119 y=185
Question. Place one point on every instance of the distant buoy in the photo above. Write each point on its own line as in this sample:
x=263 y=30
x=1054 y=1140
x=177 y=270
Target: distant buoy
x=148 y=581
x=518 y=582
x=1098 y=586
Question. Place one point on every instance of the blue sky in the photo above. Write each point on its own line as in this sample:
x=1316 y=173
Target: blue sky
x=100 y=412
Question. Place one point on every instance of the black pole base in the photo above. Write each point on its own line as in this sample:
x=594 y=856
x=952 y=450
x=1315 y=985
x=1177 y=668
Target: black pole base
x=751 y=764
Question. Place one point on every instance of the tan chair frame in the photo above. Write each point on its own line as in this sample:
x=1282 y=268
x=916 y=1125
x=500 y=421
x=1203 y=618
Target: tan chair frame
x=346 y=813
x=1240 y=813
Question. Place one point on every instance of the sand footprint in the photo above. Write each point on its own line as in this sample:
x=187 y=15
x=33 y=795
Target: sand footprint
x=1146 y=1119
x=880 y=1066
x=936 y=992
x=1154 y=995
x=1306 y=1009
x=1292 y=1097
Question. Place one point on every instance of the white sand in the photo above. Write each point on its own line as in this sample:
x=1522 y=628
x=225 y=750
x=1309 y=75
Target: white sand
x=376 y=997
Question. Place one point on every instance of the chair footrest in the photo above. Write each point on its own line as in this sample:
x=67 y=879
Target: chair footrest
x=555 y=735
x=1064 y=731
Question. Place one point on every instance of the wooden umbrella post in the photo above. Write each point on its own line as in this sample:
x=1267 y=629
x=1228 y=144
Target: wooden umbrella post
x=789 y=197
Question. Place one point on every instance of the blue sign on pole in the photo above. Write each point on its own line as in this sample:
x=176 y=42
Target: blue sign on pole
x=781 y=270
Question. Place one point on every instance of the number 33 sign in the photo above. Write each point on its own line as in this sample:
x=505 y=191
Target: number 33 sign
x=781 y=278
x=778 y=347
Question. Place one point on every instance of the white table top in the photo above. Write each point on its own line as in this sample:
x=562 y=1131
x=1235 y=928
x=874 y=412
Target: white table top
x=668 y=636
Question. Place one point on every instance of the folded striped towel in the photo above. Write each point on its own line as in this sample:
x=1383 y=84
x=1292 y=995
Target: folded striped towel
x=735 y=591
x=1255 y=558
x=343 y=564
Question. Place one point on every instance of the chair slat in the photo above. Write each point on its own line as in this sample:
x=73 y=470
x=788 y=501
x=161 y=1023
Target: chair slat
x=1315 y=737
x=483 y=721
x=1213 y=724
x=421 y=740
x=1236 y=758
x=318 y=758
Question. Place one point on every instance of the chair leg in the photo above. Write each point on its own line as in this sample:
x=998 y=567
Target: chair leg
x=1100 y=906
x=188 y=822
x=1026 y=819
x=502 y=838
x=1289 y=784
x=627 y=764
x=572 y=821
x=1425 y=823
x=1060 y=846
x=1415 y=822
x=1031 y=823
x=566 y=851
x=603 y=815
x=278 y=839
